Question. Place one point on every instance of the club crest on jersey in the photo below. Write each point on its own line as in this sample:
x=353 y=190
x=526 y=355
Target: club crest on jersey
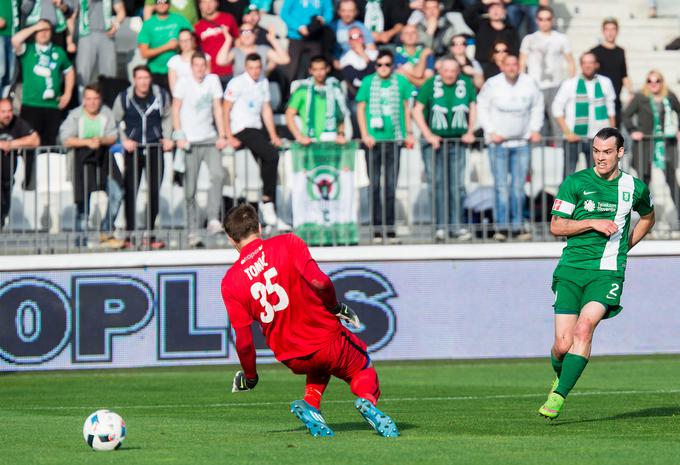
x=626 y=196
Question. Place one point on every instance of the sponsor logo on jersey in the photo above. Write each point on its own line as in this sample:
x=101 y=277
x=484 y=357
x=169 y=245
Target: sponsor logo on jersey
x=606 y=207
x=626 y=196
x=589 y=205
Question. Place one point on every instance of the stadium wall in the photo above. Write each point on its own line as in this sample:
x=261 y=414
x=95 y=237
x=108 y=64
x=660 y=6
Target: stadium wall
x=416 y=302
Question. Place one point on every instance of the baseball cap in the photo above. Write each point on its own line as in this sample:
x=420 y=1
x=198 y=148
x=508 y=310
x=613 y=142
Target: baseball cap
x=250 y=8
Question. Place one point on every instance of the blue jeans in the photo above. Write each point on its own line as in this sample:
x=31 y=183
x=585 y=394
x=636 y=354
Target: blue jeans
x=448 y=162
x=515 y=161
x=516 y=13
x=115 y=193
x=6 y=63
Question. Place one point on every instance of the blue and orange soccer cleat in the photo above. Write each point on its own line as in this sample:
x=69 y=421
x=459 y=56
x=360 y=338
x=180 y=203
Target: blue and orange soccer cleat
x=381 y=422
x=311 y=418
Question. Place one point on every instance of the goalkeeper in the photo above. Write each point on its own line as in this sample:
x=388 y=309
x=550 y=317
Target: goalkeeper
x=277 y=283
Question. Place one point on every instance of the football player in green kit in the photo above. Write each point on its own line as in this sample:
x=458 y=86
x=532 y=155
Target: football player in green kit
x=593 y=210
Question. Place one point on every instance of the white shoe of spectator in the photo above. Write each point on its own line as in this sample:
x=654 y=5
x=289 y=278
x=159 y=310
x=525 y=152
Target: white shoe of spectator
x=499 y=236
x=195 y=241
x=214 y=227
x=462 y=235
x=523 y=236
x=439 y=235
x=270 y=218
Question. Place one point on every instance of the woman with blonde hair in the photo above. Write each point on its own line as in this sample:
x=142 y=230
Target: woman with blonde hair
x=651 y=118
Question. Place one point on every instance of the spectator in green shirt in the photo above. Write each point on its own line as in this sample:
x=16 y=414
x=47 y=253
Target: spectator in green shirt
x=9 y=24
x=185 y=8
x=384 y=118
x=320 y=105
x=48 y=82
x=446 y=111
x=158 y=40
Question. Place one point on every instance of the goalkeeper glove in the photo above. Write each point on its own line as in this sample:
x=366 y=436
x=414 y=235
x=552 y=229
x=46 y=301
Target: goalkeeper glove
x=241 y=383
x=346 y=314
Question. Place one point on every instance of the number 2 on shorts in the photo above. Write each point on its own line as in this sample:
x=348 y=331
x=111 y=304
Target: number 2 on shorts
x=613 y=291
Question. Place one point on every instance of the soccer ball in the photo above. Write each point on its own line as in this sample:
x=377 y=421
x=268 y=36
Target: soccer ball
x=104 y=430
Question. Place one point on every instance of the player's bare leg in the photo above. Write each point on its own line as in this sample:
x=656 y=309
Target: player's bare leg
x=564 y=338
x=366 y=387
x=576 y=359
x=308 y=410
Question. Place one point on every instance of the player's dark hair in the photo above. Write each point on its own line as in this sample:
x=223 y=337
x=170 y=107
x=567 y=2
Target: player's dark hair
x=241 y=221
x=606 y=133
x=253 y=57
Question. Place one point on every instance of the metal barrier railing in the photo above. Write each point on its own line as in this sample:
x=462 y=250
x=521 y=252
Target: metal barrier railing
x=453 y=193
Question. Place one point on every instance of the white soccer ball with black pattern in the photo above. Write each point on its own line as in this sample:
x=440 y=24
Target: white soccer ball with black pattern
x=104 y=430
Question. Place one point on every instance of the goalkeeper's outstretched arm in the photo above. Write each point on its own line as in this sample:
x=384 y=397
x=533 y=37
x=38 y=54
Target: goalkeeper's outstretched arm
x=245 y=348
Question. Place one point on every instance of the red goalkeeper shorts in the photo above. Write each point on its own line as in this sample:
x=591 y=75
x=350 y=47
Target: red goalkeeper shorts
x=343 y=357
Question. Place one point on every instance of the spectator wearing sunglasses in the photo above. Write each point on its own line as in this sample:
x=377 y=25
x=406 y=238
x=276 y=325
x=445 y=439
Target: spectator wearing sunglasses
x=492 y=67
x=357 y=62
x=384 y=119
x=468 y=66
x=487 y=20
x=546 y=56
x=346 y=22
x=651 y=118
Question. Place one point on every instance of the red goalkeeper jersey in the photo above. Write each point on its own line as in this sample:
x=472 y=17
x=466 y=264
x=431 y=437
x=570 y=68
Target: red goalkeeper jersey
x=276 y=283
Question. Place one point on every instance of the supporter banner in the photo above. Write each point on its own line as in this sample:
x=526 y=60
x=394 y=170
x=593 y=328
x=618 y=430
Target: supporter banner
x=324 y=211
x=157 y=316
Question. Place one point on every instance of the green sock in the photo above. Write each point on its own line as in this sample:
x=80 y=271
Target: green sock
x=556 y=365
x=572 y=367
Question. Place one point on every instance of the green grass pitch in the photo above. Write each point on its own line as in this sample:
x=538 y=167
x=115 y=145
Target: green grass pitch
x=625 y=410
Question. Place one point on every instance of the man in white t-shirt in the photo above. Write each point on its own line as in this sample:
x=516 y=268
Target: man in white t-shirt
x=199 y=131
x=246 y=106
x=543 y=56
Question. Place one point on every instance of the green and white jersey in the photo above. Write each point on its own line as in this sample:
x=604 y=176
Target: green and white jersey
x=584 y=195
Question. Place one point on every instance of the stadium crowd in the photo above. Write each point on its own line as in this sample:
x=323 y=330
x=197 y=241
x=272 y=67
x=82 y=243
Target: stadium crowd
x=393 y=73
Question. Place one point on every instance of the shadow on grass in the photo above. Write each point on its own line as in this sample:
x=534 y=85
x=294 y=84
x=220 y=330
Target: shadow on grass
x=347 y=426
x=653 y=412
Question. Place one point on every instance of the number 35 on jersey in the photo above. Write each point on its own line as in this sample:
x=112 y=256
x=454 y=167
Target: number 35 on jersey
x=262 y=292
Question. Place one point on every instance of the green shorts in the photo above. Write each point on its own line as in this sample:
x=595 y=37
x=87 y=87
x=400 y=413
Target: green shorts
x=574 y=288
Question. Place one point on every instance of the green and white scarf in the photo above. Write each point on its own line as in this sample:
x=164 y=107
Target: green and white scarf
x=662 y=130
x=413 y=59
x=334 y=96
x=45 y=62
x=35 y=15
x=440 y=111
x=15 y=17
x=583 y=103
x=84 y=17
x=374 y=19
x=375 y=103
